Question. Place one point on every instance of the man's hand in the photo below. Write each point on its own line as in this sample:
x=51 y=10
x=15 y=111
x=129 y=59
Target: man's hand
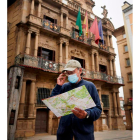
x=61 y=79
x=81 y=114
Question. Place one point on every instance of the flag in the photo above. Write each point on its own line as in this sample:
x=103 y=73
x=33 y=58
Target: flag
x=94 y=29
x=101 y=31
x=85 y=23
x=78 y=22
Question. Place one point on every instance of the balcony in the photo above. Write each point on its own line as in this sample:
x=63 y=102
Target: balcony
x=130 y=101
x=103 y=77
x=103 y=47
x=82 y=38
x=34 y=20
x=50 y=26
x=36 y=62
x=51 y=66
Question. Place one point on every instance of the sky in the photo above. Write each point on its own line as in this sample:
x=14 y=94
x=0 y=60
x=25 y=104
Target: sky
x=114 y=8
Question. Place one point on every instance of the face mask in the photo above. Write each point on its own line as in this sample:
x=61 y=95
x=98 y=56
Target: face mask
x=73 y=78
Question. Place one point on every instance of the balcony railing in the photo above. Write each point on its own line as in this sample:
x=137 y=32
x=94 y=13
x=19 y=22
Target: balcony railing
x=104 y=48
x=102 y=76
x=37 y=62
x=50 y=26
x=47 y=65
x=81 y=38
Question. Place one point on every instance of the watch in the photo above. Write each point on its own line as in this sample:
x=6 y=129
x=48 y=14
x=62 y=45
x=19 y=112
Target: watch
x=87 y=116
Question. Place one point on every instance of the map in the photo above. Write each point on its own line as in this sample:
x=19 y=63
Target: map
x=62 y=104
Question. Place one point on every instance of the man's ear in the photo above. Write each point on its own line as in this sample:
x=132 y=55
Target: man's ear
x=80 y=70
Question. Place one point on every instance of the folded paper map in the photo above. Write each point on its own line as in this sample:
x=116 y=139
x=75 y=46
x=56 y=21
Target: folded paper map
x=62 y=104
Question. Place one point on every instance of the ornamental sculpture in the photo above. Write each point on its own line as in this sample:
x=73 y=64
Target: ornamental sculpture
x=105 y=12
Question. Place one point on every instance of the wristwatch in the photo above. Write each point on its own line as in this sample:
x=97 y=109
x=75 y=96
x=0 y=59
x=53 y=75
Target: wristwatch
x=87 y=115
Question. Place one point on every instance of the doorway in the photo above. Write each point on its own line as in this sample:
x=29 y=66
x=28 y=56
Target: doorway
x=41 y=123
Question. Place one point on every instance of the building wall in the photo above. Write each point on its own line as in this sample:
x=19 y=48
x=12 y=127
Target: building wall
x=127 y=11
x=13 y=17
x=121 y=42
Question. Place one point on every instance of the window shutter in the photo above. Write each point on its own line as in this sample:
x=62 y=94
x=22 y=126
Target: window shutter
x=39 y=51
x=53 y=56
x=55 y=21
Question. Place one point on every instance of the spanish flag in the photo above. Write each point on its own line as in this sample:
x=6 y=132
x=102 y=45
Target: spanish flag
x=85 y=24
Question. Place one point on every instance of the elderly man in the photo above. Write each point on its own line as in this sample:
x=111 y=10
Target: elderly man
x=79 y=124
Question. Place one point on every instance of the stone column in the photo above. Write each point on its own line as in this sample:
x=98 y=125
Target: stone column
x=100 y=96
x=36 y=44
x=18 y=41
x=66 y=21
x=28 y=43
x=115 y=104
x=60 y=55
x=118 y=102
x=61 y=19
x=32 y=7
x=114 y=67
x=108 y=42
x=111 y=71
x=22 y=99
x=67 y=44
x=31 y=100
x=39 y=8
x=111 y=44
x=97 y=66
x=92 y=61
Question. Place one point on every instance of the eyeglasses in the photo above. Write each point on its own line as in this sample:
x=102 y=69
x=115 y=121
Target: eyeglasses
x=67 y=73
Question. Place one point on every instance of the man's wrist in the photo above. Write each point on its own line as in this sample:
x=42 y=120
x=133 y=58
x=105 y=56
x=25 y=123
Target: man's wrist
x=87 y=114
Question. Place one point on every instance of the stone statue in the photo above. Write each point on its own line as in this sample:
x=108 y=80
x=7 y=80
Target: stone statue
x=105 y=12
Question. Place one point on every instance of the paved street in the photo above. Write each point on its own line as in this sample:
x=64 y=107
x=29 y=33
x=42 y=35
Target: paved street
x=106 y=135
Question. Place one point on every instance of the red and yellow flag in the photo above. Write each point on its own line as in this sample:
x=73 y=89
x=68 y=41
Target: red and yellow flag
x=85 y=24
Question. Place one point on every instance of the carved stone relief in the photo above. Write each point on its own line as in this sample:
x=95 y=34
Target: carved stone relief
x=46 y=45
x=77 y=52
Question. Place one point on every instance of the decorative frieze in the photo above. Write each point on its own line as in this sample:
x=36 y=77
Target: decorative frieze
x=77 y=52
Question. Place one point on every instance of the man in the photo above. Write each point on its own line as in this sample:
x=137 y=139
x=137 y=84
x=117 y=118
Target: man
x=80 y=123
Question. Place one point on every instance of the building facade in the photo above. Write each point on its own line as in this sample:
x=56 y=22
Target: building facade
x=42 y=37
x=122 y=109
x=125 y=66
x=127 y=10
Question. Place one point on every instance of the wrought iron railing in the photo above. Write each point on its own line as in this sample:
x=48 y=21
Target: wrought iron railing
x=47 y=65
x=102 y=76
x=50 y=26
x=103 y=47
x=37 y=62
x=81 y=38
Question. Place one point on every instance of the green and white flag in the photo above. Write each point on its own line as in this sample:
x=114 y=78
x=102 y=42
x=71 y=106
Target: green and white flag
x=79 y=23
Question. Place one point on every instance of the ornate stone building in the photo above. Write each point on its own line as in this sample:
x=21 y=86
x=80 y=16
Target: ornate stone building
x=42 y=37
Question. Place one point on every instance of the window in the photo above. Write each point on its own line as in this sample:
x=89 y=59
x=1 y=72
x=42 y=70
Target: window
x=50 y=19
x=105 y=100
x=102 y=69
x=82 y=61
x=12 y=117
x=129 y=77
x=124 y=35
x=127 y=62
x=131 y=93
x=46 y=54
x=125 y=48
x=17 y=82
x=42 y=94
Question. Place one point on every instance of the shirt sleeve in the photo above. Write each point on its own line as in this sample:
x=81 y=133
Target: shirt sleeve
x=95 y=112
